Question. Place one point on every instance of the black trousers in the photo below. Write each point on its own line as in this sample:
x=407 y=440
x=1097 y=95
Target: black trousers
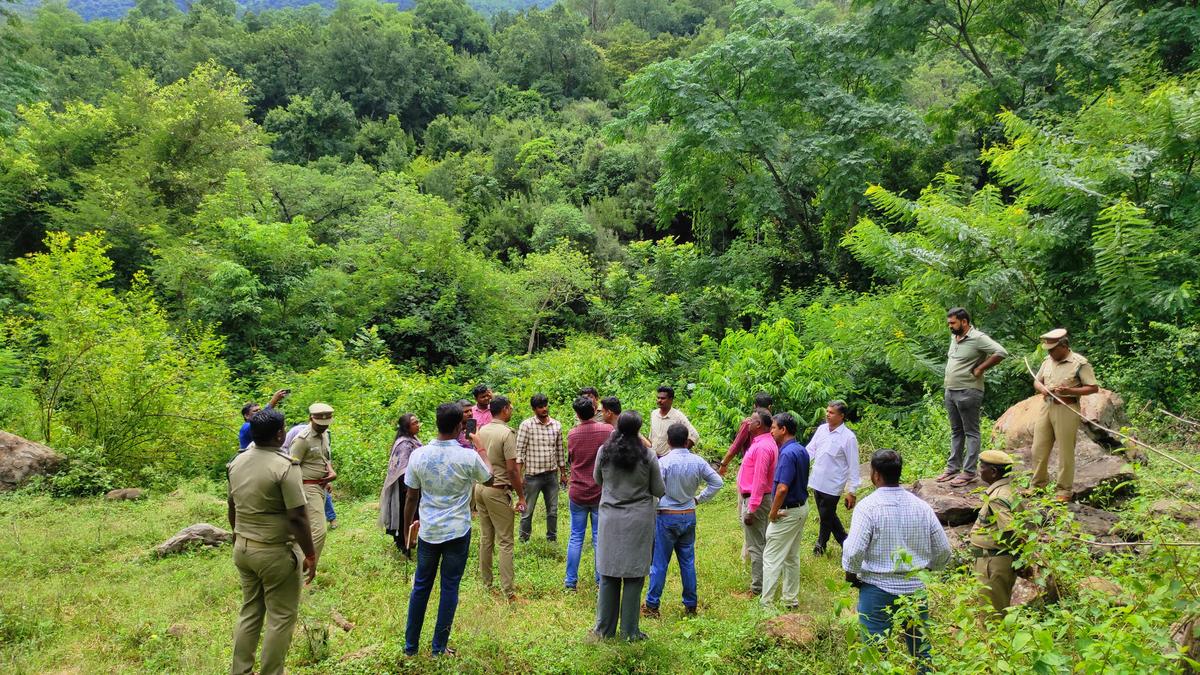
x=830 y=524
x=619 y=598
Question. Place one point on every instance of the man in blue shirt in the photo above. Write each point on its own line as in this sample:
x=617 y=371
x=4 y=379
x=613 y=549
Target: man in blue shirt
x=249 y=410
x=789 y=510
x=675 y=529
x=441 y=477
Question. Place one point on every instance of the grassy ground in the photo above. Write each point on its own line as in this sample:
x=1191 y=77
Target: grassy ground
x=85 y=594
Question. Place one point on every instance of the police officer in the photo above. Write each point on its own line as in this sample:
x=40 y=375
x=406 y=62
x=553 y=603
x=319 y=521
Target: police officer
x=310 y=448
x=1063 y=379
x=992 y=540
x=268 y=515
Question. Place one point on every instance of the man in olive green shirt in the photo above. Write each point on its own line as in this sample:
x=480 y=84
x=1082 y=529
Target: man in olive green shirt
x=267 y=512
x=311 y=449
x=992 y=541
x=971 y=354
x=493 y=498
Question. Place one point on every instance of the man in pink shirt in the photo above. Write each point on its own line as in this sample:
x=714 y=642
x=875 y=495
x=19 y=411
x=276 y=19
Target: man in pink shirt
x=741 y=442
x=756 y=486
x=481 y=413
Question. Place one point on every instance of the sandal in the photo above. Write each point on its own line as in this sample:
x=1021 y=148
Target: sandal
x=946 y=475
x=963 y=479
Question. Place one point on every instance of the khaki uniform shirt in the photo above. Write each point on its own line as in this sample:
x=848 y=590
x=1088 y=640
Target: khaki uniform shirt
x=659 y=423
x=312 y=452
x=500 y=443
x=965 y=354
x=264 y=484
x=995 y=517
x=1073 y=371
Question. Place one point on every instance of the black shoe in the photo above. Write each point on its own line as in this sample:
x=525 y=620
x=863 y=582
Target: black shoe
x=650 y=612
x=819 y=550
x=689 y=611
x=638 y=637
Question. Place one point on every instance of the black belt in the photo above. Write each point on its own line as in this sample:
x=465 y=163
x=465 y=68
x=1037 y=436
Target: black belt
x=745 y=495
x=793 y=506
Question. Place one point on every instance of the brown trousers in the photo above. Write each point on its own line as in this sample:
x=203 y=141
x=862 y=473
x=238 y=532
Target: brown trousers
x=996 y=574
x=1057 y=422
x=496 y=520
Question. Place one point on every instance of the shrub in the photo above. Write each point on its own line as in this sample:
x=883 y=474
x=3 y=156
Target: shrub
x=83 y=474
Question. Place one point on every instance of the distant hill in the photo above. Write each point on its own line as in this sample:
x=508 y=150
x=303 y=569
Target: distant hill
x=115 y=9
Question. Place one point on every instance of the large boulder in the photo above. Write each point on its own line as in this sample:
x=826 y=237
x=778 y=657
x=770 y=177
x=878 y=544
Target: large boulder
x=1104 y=407
x=953 y=505
x=1094 y=467
x=200 y=534
x=22 y=459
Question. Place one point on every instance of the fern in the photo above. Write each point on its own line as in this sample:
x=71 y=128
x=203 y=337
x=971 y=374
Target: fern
x=1122 y=243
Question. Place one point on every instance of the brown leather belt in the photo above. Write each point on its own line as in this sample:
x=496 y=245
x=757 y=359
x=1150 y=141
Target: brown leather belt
x=498 y=487
x=674 y=512
x=1070 y=400
x=317 y=481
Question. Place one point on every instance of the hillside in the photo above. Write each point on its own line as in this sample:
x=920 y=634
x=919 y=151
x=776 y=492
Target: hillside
x=115 y=9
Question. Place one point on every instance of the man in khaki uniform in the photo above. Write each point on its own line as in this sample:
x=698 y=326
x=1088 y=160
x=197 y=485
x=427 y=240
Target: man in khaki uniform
x=311 y=449
x=268 y=516
x=991 y=539
x=1063 y=379
x=493 y=498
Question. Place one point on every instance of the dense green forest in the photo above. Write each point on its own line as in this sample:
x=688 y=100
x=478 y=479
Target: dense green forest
x=380 y=208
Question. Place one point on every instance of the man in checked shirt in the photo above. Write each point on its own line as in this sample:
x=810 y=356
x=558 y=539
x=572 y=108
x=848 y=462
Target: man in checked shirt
x=893 y=535
x=543 y=464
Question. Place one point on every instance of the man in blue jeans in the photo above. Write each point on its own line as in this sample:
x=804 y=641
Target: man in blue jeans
x=583 y=442
x=892 y=535
x=441 y=476
x=675 y=530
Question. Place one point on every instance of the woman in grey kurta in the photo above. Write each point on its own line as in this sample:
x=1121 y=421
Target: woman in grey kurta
x=630 y=483
x=391 y=500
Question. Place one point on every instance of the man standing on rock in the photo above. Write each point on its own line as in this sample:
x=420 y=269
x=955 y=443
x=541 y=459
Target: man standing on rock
x=310 y=448
x=991 y=538
x=270 y=530
x=1063 y=379
x=971 y=354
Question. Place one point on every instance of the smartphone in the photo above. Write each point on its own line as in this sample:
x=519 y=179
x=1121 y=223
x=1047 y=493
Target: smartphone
x=472 y=425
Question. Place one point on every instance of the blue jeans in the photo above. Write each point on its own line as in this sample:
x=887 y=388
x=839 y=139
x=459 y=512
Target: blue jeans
x=453 y=557
x=579 y=523
x=875 y=615
x=330 y=514
x=673 y=532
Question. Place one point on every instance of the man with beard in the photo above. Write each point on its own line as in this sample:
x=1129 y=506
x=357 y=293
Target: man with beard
x=971 y=354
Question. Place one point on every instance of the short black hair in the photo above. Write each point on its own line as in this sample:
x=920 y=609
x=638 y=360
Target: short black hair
x=764 y=416
x=479 y=389
x=612 y=404
x=840 y=405
x=538 y=401
x=247 y=408
x=464 y=403
x=669 y=391
x=265 y=425
x=888 y=464
x=589 y=391
x=677 y=435
x=449 y=416
x=959 y=313
x=498 y=404
x=763 y=400
x=584 y=408
x=786 y=421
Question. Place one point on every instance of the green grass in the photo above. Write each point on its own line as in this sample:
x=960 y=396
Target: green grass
x=86 y=594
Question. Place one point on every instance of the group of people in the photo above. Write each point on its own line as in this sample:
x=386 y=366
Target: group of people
x=640 y=494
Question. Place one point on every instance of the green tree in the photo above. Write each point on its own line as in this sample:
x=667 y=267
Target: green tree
x=548 y=51
x=313 y=126
x=455 y=22
x=552 y=280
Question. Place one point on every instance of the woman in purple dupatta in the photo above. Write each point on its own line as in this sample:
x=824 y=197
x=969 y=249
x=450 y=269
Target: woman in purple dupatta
x=391 y=500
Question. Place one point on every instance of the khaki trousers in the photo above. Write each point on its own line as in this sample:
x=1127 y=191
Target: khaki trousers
x=996 y=574
x=315 y=508
x=1056 y=422
x=781 y=557
x=271 y=583
x=496 y=520
x=756 y=539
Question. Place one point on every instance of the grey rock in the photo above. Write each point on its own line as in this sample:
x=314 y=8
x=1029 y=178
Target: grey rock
x=22 y=459
x=200 y=534
x=125 y=494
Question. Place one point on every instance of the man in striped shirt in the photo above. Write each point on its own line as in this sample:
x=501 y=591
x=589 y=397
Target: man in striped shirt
x=893 y=535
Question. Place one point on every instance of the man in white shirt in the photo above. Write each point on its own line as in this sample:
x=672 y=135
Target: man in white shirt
x=661 y=419
x=893 y=535
x=834 y=453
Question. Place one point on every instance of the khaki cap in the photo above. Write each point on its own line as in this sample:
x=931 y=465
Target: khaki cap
x=1052 y=338
x=997 y=457
x=321 y=410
